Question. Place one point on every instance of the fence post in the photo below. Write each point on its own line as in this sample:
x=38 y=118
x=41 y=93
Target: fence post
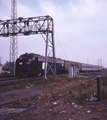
x=99 y=95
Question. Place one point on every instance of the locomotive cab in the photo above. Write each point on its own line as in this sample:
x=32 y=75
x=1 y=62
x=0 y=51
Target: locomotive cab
x=24 y=64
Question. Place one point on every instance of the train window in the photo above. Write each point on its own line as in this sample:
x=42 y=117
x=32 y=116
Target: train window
x=43 y=65
x=33 y=58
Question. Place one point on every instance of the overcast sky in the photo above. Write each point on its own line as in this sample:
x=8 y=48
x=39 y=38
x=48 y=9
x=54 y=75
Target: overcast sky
x=80 y=29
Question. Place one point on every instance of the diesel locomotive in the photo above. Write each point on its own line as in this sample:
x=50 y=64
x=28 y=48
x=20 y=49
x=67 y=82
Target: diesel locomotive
x=31 y=65
x=34 y=65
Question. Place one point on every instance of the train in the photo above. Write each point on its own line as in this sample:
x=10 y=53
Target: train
x=31 y=65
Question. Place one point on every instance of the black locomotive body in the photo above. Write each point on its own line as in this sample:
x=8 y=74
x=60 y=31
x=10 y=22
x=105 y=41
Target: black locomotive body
x=34 y=65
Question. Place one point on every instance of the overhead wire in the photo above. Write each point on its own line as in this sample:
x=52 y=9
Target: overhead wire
x=61 y=47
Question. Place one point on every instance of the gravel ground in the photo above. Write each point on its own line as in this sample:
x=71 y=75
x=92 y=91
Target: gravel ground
x=66 y=108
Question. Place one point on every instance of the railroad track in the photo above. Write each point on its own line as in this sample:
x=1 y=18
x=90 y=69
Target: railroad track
x=16 y=79
x=12 y=78
x=31 y=107
x=90 y=77
x=5 y=81
x=19 y=79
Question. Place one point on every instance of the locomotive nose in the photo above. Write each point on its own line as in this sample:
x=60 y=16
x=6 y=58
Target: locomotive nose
x=23 y=63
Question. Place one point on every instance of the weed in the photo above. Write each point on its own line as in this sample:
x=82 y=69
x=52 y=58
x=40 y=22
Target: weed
x=104 y=92
x=104 y=81
x=104 y=87
x=89 y=83
x=85 y=89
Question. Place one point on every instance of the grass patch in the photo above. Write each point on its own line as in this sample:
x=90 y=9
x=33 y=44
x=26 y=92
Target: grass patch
x=81 y=89
x=32 y=83
x=104 y=87
x=104 y=92
x=85 y=89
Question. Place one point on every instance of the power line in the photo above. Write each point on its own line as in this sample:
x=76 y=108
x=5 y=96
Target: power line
x=62 y=47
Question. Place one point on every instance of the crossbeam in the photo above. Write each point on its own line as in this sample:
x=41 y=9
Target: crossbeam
x=25 y=26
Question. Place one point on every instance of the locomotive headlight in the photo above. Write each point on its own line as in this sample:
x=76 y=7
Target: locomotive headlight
x=20 y=63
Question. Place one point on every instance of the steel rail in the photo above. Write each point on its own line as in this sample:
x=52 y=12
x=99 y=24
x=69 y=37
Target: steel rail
x=14 y=101
x=15 y=80
x=92 y=77
x=4 y=79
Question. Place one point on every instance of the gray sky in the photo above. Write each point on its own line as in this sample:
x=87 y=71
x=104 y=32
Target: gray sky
x=80 y=28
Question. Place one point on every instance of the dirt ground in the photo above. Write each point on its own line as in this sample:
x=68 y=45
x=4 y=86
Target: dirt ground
x=66 y=108
x=63 y=108
x=23 y=93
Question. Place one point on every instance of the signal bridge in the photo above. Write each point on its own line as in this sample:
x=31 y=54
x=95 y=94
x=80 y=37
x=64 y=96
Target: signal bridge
x=34 y=25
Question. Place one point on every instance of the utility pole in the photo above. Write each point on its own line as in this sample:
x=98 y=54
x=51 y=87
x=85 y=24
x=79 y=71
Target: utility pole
x=13 y=39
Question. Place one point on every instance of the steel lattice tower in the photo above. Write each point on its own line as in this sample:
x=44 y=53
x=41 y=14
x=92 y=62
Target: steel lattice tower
x=13 y=39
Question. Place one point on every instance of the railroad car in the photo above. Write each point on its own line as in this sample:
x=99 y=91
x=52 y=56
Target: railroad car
x=90 y=68
x=34 y=65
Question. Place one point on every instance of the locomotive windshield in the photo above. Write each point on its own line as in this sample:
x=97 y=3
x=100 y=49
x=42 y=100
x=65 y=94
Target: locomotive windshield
x=31 y=55
x=26 y=55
